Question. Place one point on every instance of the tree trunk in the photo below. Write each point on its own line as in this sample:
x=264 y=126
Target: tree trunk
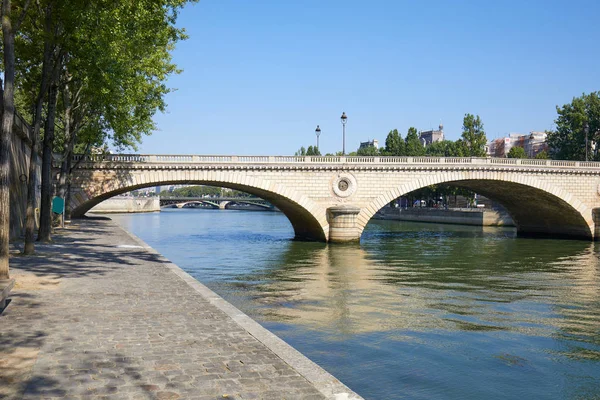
x=8 y=115
x=29 y=247
x=67 y=146
x=67 y=215
x=46 y=199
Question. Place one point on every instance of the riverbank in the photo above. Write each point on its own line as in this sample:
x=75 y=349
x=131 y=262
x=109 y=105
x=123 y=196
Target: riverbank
x=116 y=205
x=99 y=313
x=473 y=216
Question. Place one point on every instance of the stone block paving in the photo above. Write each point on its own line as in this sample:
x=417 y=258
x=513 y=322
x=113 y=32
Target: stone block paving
x=120 y=325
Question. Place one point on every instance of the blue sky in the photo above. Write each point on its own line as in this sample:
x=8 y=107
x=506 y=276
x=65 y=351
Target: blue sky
x=258 y=76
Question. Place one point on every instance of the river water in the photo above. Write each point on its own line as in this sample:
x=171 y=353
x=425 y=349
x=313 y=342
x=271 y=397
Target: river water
x=416 y=311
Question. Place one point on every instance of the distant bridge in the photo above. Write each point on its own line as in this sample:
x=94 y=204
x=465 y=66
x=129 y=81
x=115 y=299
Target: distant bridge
x=333 y=198
x=215 y=202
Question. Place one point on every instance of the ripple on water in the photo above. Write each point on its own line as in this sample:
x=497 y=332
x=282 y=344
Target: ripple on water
x=415 y=311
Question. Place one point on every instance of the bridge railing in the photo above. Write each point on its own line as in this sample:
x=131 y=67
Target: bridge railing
x=215 y=159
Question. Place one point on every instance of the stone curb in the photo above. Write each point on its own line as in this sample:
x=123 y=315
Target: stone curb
x=322 y=380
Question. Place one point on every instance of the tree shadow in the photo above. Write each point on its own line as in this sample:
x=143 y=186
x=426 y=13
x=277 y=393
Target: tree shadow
x=68 y=256
x=40 y=357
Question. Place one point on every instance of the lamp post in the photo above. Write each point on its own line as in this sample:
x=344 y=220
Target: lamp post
x=343 y=118
x=318 y=133
x=586 y=129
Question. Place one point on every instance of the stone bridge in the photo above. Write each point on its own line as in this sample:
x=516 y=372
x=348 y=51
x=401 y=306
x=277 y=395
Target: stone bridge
x=333 y=198
x=216 y=202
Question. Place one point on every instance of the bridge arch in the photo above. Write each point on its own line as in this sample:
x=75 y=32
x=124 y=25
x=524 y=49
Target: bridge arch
x=536 y=207
x=308 y=219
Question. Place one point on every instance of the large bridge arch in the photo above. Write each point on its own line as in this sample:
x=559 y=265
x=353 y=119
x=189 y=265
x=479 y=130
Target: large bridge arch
x=537 y=207
x=308 y=219
x=332 y=198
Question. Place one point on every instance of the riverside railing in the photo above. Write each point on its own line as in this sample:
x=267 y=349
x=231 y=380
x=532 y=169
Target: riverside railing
x=215 y=159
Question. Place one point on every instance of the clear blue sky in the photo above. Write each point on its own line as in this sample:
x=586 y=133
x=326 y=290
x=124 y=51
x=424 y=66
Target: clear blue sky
x=258 y=76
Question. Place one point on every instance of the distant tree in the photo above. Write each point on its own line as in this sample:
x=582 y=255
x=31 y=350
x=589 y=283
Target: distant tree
x=460 y=149
x=414 y=147
x=444 y=148
x=237 y=193
x=193 y=191
x=517 y=152
x=301 y=152
x=542 y=155
x=567 y=142
x=313 y=151
x=367 y=151
x=473 y=136
x=394 y=145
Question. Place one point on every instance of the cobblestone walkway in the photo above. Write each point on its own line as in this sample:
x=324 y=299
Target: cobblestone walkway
x=109 y=318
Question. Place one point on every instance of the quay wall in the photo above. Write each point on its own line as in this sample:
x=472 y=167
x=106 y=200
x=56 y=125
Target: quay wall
x=20 y=153
x=127 y=205
x=474 y=217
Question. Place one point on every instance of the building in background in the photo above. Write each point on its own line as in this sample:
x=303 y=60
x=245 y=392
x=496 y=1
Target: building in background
x=536 y=143
x=533 y=143
x=373 y=143
x=428 y=137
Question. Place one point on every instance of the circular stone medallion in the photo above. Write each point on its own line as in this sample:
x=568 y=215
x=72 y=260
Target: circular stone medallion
x=344 y=185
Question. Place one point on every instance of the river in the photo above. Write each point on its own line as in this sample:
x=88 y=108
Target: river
x=416 y=311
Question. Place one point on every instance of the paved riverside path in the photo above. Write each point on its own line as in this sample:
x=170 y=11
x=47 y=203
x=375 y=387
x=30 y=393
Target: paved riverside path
x=98 y=314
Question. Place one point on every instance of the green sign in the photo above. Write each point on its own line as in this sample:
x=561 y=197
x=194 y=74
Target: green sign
x=58 y=205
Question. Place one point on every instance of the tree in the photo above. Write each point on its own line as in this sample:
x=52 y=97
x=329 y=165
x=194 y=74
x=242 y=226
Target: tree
x=367 y=151
x=301 y=152
x=444 y=148
x=116 y=58
x=542 y=155
x=194 y=191
x=414 y=147
x=567 y=142
x=394 y=145
x=517 y=152
x=473 y=136
x=313 y=151
x=460 y=149
x=9 y=29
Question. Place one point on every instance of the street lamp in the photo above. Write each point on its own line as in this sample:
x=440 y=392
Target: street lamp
x=318 y=133
x=586 y=129
x=343 y=118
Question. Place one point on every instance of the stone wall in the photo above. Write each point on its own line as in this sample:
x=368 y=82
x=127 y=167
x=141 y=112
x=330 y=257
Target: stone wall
x=127 y=205
x=20 y=153
x=474 y=217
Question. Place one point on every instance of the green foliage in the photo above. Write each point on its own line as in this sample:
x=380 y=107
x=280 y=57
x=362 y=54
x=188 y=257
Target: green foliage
x=567 y=142
x=300 y=152
x=517 y=152
x=473 y=136
x=394 y=145
x=414 y=147
x=193 y=191
x=444 y=148
x=434 y=192
x=115 y=55
x=542 y=155
x=313 y=151
x=367 y=151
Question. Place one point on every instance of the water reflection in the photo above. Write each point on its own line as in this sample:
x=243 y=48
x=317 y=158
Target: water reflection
x=444 y=283
x=415 y=310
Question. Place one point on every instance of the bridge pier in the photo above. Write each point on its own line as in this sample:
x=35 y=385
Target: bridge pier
x=343 y=225
x=596 y=218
